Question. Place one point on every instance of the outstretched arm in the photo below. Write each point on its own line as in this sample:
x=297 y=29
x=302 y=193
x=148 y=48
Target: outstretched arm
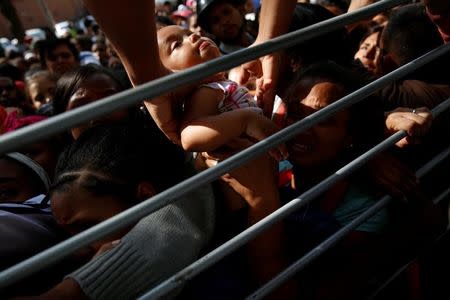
x=139 y=56
x=275 y=19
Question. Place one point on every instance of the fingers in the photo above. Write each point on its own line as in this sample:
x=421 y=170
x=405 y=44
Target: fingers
x=107 y=247
x=416 y=122
x=243 y=73
x=239 y=75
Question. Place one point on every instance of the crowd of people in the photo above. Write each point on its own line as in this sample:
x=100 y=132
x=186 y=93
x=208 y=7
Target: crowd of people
x=58 y=187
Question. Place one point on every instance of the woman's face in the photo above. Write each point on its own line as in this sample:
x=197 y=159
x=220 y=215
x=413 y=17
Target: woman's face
x=61 y=60
x=322 y=143
x=83 y=199
x=369 y=52
x=96 y=87
x=16 y=184
x=41 y=91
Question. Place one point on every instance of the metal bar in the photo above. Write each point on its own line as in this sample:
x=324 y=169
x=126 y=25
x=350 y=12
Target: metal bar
x=58 y=252
x=442 y=196
x=319 y=250
x=67 y=120
x=401 y=269
x=128 y=217
x=335 y=238
x=251 y=232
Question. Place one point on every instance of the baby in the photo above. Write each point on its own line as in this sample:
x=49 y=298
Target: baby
x=219 y=110
x=220 y=113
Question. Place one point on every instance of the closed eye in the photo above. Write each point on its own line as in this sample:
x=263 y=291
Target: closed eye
x=175 y=45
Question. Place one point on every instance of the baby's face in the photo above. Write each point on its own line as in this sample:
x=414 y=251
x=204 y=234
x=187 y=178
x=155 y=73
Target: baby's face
x=180 y=49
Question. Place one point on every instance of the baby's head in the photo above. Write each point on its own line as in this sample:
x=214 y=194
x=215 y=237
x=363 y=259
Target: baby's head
x=180 y=49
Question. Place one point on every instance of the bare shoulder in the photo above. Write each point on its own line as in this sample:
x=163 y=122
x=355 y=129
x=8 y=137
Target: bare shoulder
x=208 y=93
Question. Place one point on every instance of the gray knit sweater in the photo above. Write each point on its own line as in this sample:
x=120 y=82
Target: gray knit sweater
x=158 y=246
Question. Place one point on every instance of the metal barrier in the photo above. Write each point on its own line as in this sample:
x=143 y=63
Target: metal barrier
x=67 y=120
x=338 y=236
x=214 y=256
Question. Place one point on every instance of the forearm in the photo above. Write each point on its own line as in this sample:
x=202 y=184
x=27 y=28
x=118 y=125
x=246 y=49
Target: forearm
x=357 y=4
x=275 y=18
x=140 y=58
x=209 y=133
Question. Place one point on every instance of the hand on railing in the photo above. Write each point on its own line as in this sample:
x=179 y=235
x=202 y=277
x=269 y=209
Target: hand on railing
x=416 y=122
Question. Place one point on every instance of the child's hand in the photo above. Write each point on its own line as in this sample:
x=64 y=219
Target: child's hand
x=259 y=128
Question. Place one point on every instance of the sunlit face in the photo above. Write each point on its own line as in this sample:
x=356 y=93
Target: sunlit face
x=41 y=91
x=96 y=87
x=84 y=199
x=225 y=21
x=16 y=184
x=369 y=52
x=61 y=60
x=323 y=142
x=180 y=49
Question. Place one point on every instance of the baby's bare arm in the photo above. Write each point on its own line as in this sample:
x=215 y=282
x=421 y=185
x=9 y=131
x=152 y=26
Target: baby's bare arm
x=203 y=128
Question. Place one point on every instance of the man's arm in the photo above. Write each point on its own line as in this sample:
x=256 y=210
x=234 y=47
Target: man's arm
x=135 y=38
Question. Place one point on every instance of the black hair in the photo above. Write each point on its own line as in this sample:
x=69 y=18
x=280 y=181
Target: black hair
x=366 y=122
x=126 y=155
x=330 y=46
x=8 y=70
x=410 y=33
x=47 y=47
x=37 y=183
x=71 y=81
x=84 y=42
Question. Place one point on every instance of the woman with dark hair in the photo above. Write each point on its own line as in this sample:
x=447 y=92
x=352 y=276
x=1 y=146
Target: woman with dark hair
x=369 y=52
x=59 y=56
x=106 y=171
x=84 y=85
x=322 y=150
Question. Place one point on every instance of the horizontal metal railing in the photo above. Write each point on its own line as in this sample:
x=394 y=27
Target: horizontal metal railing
x=128 y=217
x=338 y=236
x=67 y=120
x=242 y=238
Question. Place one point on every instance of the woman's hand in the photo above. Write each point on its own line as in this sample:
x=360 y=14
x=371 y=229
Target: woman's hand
x=415 y=122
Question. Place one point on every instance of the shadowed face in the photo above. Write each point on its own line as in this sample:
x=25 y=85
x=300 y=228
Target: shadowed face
x=96 y=87
x=323 y=142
